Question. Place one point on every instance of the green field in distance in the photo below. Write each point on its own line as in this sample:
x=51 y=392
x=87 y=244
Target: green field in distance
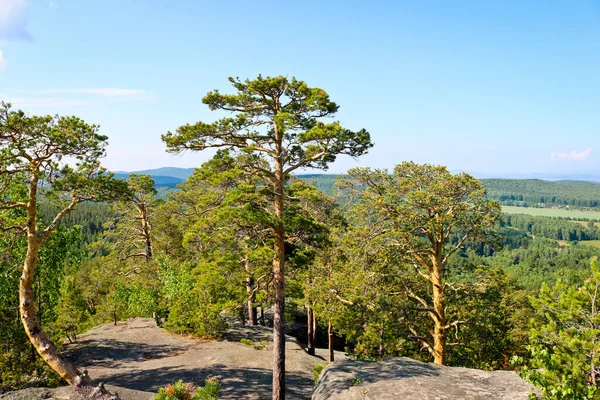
x=595 y=243
x=551 y=212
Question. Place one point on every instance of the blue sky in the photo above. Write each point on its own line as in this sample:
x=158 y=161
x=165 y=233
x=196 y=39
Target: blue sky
x=483 y=86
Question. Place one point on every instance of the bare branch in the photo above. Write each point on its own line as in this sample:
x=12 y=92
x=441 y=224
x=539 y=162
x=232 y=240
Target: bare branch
x=14 y=227
x=58 y=218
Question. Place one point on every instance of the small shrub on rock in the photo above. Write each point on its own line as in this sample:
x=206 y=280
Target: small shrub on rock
x=317 y=370
x=187 y=391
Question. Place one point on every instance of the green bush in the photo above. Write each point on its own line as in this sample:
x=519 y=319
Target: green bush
x=192 y=310
x=317 y=370
x=187 y=391
x=18 y=372
x=563 y=341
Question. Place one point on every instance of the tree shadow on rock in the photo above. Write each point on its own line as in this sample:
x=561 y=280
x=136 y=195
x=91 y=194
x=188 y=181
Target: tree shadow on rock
x=236 y=383
x=111 y=353
x=255 y=333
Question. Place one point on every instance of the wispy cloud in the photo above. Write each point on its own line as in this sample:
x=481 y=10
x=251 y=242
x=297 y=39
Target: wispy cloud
x=108 y=92
x=28 y=102
x=13 y=20
x=2 y=62
x=72 y=97
x=112 y=93
x=573 y=155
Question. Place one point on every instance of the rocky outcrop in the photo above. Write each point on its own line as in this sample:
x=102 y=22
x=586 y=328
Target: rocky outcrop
x=407 y=379
x=136 y=358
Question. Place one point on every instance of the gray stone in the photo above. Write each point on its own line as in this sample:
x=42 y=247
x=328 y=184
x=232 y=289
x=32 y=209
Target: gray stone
x=68 y=393
x=407 y=379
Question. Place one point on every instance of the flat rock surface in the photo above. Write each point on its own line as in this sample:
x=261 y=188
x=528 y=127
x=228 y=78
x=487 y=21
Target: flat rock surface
x=405 y=378
x=67 y=393
x=138 y=358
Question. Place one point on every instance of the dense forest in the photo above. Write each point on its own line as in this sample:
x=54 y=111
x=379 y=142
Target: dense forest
x=414 y=262
x=533 y=192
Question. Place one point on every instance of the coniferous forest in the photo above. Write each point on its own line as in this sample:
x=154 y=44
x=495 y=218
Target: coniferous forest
x=415 y=261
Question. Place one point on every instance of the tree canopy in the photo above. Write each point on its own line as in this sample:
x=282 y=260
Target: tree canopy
x=413 y=213
x=279 y=121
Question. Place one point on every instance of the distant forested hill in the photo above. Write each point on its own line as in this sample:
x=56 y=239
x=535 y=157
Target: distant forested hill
x=181 y=173
x=534 y=191
x=526 y=192
x=165 y=178
x=170 y=182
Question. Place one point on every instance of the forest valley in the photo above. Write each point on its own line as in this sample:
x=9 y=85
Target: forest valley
x=414 y=262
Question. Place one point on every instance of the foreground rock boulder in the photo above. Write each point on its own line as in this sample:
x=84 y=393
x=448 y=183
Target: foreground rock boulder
x=407 y=379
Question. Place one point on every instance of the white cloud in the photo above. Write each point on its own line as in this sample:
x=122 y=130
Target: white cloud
x=573 y=155
x=2 y=62
x=13 y=20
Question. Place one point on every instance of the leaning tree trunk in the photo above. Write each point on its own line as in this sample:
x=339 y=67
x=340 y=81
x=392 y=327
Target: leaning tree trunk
x=279 y=286
x=40 y=341
x=146 y=231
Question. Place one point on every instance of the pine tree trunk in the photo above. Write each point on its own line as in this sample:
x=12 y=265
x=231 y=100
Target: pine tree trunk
x=252 y=313
x=242 y=315
x=439 y=334
x=314 y=329
x=262 y=315
x=381 y=340
x=252 y=320
x=330 y=342
x=311 y=334
x=279 y=285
